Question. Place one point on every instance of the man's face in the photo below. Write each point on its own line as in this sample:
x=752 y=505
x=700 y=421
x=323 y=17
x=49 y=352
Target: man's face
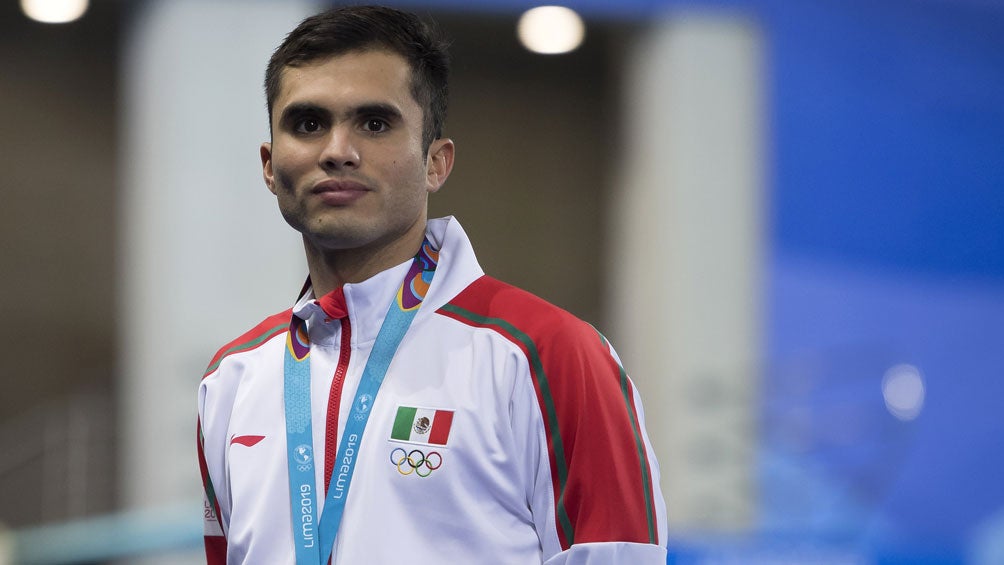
x=346 y=161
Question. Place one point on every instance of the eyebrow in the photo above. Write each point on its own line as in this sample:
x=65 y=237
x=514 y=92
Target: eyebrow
x=369 y=109
x=377 y=109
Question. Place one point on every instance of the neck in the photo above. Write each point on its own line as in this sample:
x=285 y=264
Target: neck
x=332 y=268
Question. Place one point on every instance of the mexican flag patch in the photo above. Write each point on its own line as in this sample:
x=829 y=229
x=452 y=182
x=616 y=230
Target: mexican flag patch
x=422 y=425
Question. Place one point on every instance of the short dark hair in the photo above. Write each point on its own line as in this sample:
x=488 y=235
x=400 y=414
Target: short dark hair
x=360 y=28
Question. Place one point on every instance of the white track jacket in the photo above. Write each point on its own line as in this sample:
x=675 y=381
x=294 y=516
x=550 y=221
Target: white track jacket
x=505 y=432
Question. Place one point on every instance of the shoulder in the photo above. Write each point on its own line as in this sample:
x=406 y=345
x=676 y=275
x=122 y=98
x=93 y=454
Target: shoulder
x=532 y=323
x=265 y=330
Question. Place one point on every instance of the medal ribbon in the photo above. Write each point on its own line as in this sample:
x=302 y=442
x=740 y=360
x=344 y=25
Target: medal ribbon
x=313 y=534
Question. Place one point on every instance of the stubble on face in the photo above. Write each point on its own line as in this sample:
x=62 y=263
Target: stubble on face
x=328 y=229
x=390 y=164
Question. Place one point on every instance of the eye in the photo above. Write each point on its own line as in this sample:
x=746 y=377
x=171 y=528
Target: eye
x=375 y=125
x=308 y=125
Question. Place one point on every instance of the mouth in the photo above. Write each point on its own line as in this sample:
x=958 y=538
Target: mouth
x=336 y=186
x=335 y=192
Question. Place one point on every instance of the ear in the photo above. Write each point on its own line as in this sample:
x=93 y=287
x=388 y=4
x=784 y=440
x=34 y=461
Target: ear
x=439 y=163
x=266 y=166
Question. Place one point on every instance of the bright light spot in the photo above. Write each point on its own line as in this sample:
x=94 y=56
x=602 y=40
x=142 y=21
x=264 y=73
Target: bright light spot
x=903 y=391
x=54 y=11
x=551 y=30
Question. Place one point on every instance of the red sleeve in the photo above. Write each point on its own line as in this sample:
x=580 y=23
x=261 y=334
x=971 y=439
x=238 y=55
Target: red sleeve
x=599 y=461
x=601 y=474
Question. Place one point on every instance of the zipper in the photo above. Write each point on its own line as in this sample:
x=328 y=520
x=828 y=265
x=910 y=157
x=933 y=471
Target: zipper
x=334 y=402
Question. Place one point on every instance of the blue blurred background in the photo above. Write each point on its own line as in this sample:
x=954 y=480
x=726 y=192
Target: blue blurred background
x=888 y=237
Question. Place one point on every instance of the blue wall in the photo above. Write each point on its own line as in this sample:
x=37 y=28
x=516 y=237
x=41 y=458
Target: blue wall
x=888 y=242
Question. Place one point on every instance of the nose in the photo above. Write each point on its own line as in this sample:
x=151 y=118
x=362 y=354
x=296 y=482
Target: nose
x=340 y=151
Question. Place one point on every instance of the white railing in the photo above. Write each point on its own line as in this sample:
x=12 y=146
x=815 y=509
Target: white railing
x=125 y=536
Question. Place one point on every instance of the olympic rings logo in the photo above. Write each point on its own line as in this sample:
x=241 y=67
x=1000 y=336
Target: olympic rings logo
x=415 y=461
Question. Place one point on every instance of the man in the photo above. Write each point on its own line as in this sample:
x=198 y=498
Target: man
x=498 y=428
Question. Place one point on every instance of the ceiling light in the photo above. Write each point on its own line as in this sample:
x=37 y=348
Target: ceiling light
x=54 y=11
x=551 y=30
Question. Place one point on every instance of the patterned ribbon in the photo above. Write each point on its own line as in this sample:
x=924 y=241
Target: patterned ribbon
x=313 y=534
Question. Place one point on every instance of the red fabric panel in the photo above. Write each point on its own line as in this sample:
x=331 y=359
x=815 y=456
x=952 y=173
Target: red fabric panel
x=587 y=414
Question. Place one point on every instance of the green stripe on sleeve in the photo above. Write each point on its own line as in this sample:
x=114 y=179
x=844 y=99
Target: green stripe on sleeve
x=247 y=345
x=646 y=479
x=537 y=368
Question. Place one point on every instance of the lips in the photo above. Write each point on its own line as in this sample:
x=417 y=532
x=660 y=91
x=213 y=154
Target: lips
x=339 y=192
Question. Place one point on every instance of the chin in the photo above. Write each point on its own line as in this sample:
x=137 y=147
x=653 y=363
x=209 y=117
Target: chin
x=338 y=238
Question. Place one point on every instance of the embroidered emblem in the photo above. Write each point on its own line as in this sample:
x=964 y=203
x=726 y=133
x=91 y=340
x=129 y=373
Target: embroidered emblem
x=426 y=426
x=415 y=462
x=248 y=441
x=422 y=425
